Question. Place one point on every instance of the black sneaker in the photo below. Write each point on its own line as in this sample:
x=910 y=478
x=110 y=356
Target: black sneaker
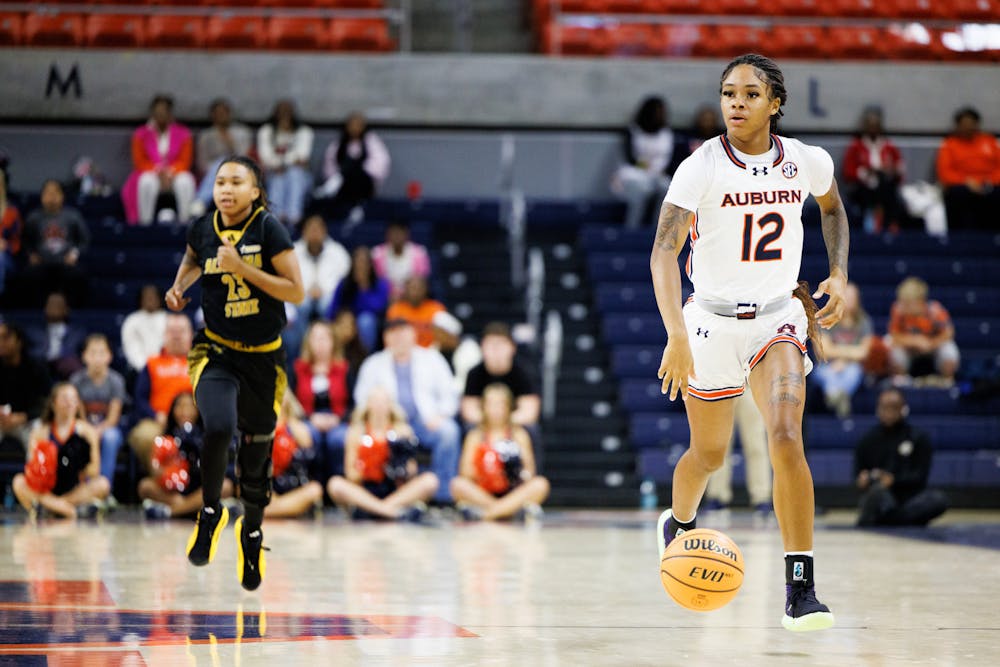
x=667 y=528
x=88 y=511
x=803 y=612
x=155 y=511
x=415 y=513
x=204 y=538
x=250 y=562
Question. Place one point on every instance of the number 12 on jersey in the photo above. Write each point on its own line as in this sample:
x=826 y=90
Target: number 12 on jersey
x=761 y=252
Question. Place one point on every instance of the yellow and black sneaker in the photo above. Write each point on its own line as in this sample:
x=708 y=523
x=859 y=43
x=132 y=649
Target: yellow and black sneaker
x=205 y=536
x=250 y=562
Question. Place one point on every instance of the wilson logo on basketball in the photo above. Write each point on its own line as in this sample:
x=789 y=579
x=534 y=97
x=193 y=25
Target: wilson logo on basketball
x=698 y=544
x=708 y=575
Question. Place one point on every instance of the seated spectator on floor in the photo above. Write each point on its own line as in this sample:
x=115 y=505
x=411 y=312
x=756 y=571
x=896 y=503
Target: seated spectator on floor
x=323 y=263
x=76 y=485
x=417 y=308
x=285 y=146
x=652 y=154
x=24 y=386
x=892 y=463
x=398 y=258
x=173 y=489
x=11 y=228
x=354 y=166
x=706 y=126
x=223 y=138
x=756 y=463
x=497 y=473
x=420 y=380
x=364 y=294
x=381 y=479
x=102 y=391
x=294 y=491
x=846 y=346
x=59 y=341
x=162 y=158
x=55 y=237
x=321 y=389
x=142 y=330
x=499 y=365
x=968 y=168
x=921 y=333
x=873 y=171
x=164 y=377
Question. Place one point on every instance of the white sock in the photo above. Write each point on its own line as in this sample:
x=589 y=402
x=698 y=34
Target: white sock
x=799 y=553
x=679 y=521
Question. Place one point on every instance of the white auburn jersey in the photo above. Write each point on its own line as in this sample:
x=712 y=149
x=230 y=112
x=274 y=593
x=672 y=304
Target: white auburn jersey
x=746 y=240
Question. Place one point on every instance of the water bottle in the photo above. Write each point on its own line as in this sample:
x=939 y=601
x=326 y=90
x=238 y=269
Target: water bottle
x=647 y=495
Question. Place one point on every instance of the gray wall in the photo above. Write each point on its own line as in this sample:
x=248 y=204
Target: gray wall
x=482 y=91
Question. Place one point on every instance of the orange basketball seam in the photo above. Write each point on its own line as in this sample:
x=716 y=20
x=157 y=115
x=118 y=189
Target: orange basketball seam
x=702 y=557
x=692 y=586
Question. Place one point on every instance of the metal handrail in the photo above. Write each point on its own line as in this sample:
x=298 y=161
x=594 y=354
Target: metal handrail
x=551 y=362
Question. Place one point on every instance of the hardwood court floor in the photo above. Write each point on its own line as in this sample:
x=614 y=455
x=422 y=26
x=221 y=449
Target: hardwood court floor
x=582 y=588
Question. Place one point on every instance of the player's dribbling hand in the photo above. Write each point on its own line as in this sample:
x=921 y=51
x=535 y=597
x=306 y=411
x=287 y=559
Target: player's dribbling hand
x=833 y=287
x=676 y=366
x=175 y=299
x=227 y=257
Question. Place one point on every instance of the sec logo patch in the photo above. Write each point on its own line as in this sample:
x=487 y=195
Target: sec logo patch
x=789 y=169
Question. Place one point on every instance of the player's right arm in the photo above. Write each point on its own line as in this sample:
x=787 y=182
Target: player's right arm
x=187 y=274
x=677 y=363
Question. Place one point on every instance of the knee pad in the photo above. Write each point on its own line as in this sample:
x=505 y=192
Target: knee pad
x=253 y=468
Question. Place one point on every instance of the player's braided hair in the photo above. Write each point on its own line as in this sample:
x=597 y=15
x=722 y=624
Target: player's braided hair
x=258 y=175
x=768 y=72
x=804 y=294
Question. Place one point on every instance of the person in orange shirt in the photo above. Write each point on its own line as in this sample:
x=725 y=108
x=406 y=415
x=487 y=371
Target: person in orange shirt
x=162 y=154
x=416 y=308
x=968 y=166
x=165 y=376
x=921 y=332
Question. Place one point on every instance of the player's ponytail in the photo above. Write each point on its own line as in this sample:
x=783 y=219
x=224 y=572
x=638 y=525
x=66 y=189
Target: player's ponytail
x=258 y=174
x=804 y=294
x=768 y=72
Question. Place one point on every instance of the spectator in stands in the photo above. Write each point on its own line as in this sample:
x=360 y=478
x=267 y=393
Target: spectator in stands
x=24 y=385
x=224 y=137
x=756 y=463
x=142 y=330
x=417 y=308
x=55 y=237
x=102 y=391
x=354 y=166
x=345 y=332
x=285 y=147
x=922 y=335
x=162 y=158
x=497 y=474
x=968 y=166
x=324 y=263
x=321 y=389
x=164 y=377
x=364 y=294
x=873 y=171
x=295 y=493
x=846 y=346
x=652 y=153
x=78 y=484
x=59 y=342
x=11 y=227
x=419 y=380
x=892 y=462
x=380 y=473
x=707 y=125
x=399 y=258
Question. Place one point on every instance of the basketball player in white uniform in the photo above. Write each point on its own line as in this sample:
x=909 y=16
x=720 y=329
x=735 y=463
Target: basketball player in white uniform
x=739 y=197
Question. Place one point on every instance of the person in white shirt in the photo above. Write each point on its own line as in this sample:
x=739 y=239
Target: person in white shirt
x=142 y=330
x=739 y=198
x=285 y=148
x=421 y=382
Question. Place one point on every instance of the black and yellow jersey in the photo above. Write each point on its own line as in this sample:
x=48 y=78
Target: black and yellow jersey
x=237 y=313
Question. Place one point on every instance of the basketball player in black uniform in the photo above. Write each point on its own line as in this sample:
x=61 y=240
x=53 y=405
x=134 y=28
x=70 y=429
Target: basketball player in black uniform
x=248 y=268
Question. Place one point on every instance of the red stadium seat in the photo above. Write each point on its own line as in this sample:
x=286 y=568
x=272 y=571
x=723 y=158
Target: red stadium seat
x=745 y=7
x=690 y=7
x=575 y=41
x=234 y=32
x=298 y=33
x=857 y=42
x=53 y=30
x=726 y=41
x=360 y=35
x=861 y=8
x=798 y=41
x=679 y=40
x=632 y=39
x=805 y=7
x=976 y=10
x=114 y=30
x=913 y=42
x=170 y=31
x=917 y=9
x=10 y=29
x=584 y=6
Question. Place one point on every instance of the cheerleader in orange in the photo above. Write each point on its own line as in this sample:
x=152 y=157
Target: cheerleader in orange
x=496 y=476
x=295 y=492
x=380 y=470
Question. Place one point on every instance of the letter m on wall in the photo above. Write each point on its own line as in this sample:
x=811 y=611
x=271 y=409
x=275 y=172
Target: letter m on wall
x=64 y=86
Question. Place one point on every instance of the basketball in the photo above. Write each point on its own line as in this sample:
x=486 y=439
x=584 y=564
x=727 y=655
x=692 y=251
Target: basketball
x=702 y=569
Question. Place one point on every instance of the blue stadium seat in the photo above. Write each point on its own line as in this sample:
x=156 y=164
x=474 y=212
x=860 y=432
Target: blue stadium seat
x=635 y=361
x=659 y=430
x=945 y=432
x=645 y=396
x=646 y=328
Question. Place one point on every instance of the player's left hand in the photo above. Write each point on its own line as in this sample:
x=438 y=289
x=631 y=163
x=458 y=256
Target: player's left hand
x=228 y=257
x=833 y=287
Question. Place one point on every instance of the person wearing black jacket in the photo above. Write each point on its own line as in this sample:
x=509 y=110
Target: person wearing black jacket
x=891 y=464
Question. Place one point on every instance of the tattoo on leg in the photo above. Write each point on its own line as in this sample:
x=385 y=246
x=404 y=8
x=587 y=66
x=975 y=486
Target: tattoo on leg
x=785 y=387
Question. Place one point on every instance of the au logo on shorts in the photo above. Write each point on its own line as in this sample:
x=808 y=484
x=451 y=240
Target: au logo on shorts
x=787 y=328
